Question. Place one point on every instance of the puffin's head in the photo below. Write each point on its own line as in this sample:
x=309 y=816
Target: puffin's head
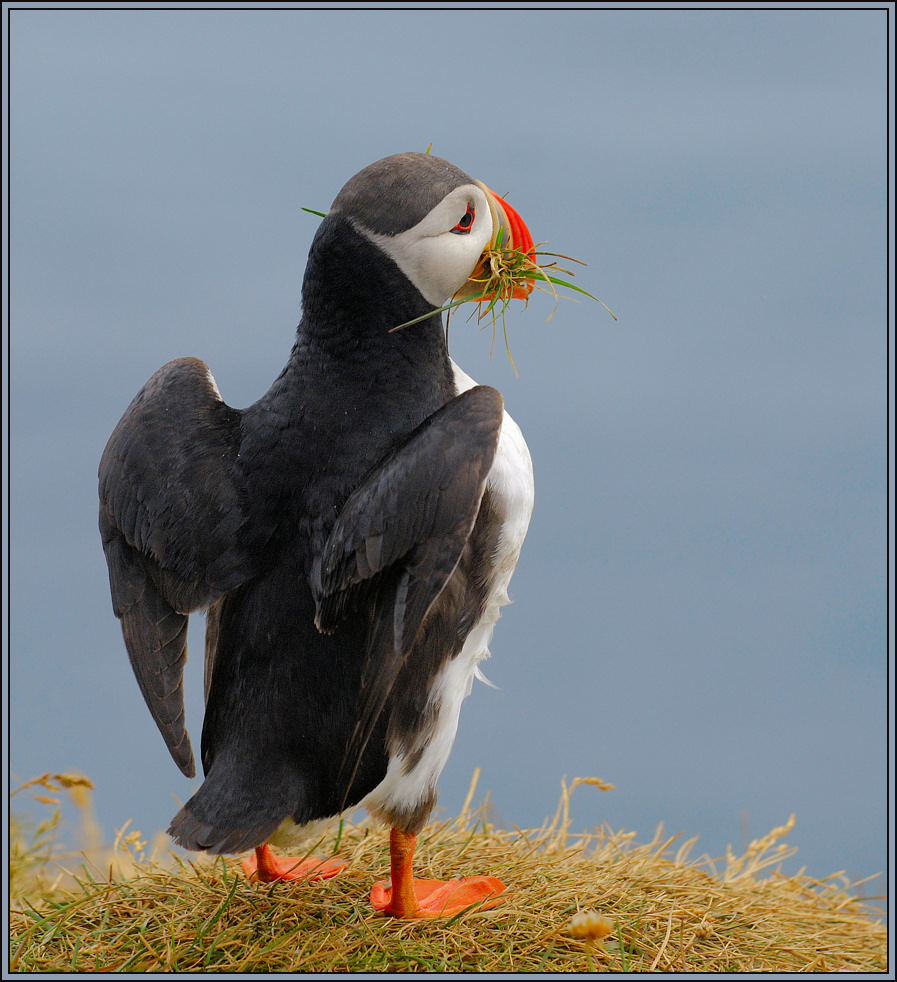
x=434 y=221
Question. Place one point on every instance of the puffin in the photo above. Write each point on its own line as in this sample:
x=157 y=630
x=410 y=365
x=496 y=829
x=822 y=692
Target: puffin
x=350 y=537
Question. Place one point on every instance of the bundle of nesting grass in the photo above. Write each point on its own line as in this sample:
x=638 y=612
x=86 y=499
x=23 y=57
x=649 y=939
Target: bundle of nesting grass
x=595 y=901
x=506 y=273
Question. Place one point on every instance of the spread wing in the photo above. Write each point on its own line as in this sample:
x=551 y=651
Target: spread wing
x=400 y=536
x=174 y=528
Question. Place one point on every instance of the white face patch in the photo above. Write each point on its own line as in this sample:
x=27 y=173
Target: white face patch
x=437 y=260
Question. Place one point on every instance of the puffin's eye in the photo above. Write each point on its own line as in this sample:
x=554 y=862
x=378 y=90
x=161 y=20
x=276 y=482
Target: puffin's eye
x=466 y=223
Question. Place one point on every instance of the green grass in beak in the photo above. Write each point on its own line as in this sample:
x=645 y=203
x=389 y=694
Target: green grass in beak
x=501 y=271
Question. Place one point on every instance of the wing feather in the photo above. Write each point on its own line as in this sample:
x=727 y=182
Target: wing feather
x=174 y=528
x=400 y=536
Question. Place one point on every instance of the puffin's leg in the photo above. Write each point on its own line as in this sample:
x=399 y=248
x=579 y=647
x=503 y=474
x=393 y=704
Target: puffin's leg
x=267 y=867
x=405 y=896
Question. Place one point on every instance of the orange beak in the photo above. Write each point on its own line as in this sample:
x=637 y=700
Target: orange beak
x=509 y=234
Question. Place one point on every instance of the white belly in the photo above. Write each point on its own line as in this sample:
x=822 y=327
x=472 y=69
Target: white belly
x=510 y=484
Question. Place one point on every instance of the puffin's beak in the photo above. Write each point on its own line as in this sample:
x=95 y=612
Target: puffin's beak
x=507 y=225
x=509 y=234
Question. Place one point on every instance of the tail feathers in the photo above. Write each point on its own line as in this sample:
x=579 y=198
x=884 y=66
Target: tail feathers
x=231 y=813
x=189 y=832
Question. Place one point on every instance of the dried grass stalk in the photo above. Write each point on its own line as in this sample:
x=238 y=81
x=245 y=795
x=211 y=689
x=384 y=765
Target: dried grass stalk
x=578 y=902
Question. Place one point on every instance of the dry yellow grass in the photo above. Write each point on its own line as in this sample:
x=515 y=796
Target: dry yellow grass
x=655 y=909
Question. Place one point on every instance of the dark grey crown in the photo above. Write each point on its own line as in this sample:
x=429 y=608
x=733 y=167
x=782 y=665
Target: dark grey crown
x=395 y=193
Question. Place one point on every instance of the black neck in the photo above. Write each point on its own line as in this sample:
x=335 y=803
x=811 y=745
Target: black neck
x=353 y=387
x=353 y=297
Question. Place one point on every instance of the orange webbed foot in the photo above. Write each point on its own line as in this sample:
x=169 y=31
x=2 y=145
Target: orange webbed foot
x=438 y=898
x=405 y=896
x=263 y=866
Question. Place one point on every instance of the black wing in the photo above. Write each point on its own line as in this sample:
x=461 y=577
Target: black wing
x=173 y=523
x=400 y=536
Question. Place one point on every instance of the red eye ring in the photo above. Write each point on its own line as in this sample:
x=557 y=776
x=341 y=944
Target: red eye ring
x=466 y=223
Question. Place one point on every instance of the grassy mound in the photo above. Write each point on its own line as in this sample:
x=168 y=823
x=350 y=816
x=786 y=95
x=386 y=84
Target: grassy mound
x=659 y=910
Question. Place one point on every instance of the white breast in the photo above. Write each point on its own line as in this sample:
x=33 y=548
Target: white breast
x=510 y=484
